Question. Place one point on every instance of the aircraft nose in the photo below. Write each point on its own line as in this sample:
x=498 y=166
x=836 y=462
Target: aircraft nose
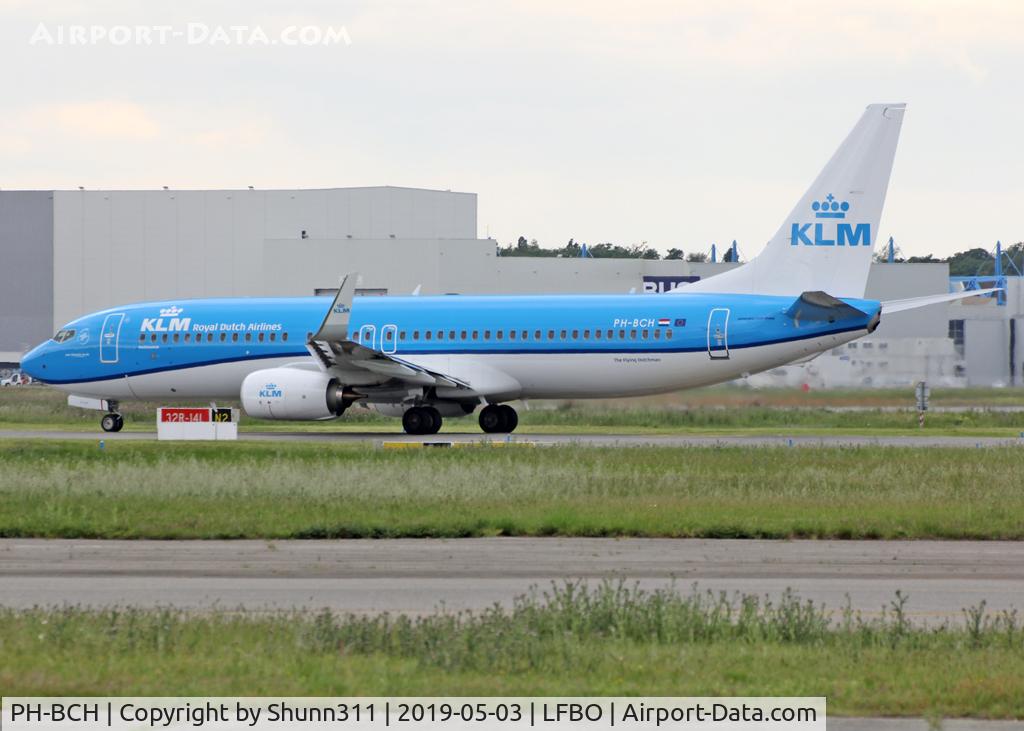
x=34 y=363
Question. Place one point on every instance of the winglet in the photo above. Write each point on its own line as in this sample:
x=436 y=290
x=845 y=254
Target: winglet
x=335 y=324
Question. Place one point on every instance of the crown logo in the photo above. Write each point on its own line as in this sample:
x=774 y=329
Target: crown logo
x=172 y=311
x=830 y=208
x=270 y=386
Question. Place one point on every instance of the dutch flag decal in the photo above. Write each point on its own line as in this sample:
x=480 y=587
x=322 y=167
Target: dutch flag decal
x=664 y=322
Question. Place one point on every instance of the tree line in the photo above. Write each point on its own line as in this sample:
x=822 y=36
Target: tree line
x=524 y=247
x=968 y=263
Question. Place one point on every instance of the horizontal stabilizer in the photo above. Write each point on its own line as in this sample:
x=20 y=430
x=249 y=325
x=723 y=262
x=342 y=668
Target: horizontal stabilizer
x=821 y=306
x=932 y=299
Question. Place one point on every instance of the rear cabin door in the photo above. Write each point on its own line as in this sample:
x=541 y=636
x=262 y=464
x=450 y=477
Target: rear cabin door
x=718 y=333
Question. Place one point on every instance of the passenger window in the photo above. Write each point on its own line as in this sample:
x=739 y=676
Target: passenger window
x=586 y=335
x=177 y=337
x=415 y=334
x=668 y=334
x=234 y=337
x=142 y=337
x=451 y=334
x=551 y=334
x=501 y=334
x=476 y=334
x=401 y=335
x=309 y=336
x=536 y=335
x=597 y=335
x=526 y=335
x=260 y=337
x=611 y=334
x=575 y=334
x=657 y=334
x=248 y=337
x=223 y=337
x=389 y=334
x=563 y=334
x=426 y=334
x=284 y=336
x=188 y=337
x=511 y=334
x=643 y=334
x=632 y=334
x=622 y=334
x=463 y=335
x=487 y=334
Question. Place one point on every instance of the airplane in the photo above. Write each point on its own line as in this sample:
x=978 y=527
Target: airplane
x=425 y=358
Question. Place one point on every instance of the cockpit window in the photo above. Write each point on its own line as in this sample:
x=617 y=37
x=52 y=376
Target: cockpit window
x=64 y=335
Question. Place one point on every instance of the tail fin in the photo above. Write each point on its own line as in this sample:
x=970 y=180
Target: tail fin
x=826 y=243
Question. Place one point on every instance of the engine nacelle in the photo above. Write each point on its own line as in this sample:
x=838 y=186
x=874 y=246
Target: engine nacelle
x=293 y=394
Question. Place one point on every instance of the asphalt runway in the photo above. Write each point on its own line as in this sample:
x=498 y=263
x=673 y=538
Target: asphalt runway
x=598 y=440
x=419 y=576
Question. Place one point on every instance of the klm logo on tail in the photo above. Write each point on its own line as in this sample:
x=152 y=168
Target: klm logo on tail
x=816 y=234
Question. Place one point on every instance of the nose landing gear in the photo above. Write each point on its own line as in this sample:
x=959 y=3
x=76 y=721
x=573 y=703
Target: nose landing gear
x=499 y=419
x=112 y=422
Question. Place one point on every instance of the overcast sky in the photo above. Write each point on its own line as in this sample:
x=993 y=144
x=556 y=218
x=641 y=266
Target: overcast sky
x=676 y=123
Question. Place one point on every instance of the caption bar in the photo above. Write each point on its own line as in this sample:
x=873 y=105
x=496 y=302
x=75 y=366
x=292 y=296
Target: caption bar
x=263 y=714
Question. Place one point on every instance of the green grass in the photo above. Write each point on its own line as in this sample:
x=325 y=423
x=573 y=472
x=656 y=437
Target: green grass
x=716 y=411
x=569 y=641
x=321 y=490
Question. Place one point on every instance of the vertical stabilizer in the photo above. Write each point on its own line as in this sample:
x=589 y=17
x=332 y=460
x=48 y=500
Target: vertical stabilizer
x=826 y=243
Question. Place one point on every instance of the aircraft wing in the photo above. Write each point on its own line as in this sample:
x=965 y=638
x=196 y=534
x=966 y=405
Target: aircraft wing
x=333 y=350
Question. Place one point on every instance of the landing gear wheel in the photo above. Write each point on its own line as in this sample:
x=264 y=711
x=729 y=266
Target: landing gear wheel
x=435 y=418
x=419 y=420
x=511 y=418
x=493 y=419
x=112 y=422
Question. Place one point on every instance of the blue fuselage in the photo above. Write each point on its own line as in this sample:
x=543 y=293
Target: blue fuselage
x=140 y=340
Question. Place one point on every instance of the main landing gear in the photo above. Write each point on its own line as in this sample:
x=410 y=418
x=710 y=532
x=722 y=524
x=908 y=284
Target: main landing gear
x=421 y=420
x=498 y=419
x=112 y=422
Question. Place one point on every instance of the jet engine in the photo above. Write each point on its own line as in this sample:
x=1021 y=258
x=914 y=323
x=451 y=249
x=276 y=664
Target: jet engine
x=295 y=394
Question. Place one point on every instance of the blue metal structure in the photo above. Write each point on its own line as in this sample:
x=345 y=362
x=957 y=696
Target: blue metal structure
x=980 y=283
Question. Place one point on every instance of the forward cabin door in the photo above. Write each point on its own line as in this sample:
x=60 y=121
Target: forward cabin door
x=718 y=333
x=109 y=337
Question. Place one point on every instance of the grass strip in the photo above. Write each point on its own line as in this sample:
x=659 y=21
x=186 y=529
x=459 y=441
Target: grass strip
x=316 y=490
x=570 y=640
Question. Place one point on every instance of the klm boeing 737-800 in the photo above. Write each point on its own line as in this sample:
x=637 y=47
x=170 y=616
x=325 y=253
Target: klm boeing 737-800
x=424 y=358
